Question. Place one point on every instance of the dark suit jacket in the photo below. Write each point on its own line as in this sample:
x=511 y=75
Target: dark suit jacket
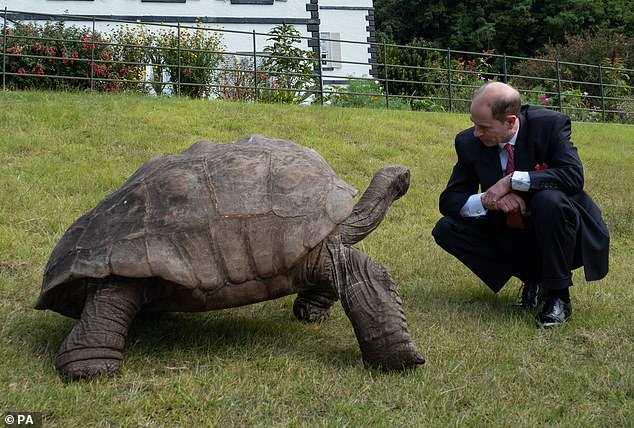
x=544 y=138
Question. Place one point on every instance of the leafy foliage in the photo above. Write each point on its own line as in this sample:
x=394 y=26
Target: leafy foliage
x=53 y=56
x=516 y=28
x=358 y=93
x=410 y=70
x=287 y=71
x=133 y=49
x=586 y=48
x=188 y=56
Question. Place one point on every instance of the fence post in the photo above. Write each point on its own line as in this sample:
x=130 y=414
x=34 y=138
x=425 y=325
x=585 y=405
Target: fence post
x=178 y=53
x=559 y=86
x=255 y=70
x=506 y=78
x=4 y=51
x=602 y=92
x=387 y=83
x=92 y=56
x=449 y=79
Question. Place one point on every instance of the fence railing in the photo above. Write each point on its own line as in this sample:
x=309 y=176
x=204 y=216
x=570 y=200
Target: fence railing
x=190 y=60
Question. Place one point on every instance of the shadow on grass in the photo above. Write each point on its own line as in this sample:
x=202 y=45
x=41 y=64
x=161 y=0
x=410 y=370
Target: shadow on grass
x=239 y=333
x=468 y=301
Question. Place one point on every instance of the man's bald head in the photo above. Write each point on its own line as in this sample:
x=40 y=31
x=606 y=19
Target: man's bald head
x=502 y=99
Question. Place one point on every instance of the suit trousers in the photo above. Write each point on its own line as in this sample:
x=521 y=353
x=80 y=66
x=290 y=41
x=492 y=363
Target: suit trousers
x=546 y=251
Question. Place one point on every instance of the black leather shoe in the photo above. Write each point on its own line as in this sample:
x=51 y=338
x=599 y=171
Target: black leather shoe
x=531 y=295
x=555 y=312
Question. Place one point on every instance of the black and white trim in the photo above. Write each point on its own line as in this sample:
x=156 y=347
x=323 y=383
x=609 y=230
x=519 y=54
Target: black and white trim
x=371 y=29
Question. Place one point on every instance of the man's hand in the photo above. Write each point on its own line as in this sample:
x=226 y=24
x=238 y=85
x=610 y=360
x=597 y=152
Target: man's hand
x=492 y=197
x=510 y=203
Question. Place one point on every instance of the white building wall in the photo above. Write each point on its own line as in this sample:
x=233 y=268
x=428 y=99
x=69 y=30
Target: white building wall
x=348 y=19
x=217 y=8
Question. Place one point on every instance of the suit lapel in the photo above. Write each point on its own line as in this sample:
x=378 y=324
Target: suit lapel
x=524 y=150
x=489 y=168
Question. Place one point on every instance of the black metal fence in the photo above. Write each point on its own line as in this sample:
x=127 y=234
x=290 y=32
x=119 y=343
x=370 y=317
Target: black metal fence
x=163 y=59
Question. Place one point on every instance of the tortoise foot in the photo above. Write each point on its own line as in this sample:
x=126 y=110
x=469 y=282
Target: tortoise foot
x=84 y=369
x=310 y=311
x=82 y=362
x=398 y=358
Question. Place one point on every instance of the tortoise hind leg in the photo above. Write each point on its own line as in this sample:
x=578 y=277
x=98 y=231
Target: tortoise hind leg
x=387 y=185
x=313 y=305
x=95 y=344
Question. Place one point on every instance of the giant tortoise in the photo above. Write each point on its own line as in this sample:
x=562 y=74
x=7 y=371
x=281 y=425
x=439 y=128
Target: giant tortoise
x=225 y=225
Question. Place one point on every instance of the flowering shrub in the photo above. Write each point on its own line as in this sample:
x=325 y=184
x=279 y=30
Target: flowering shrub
x=189 y=59
x=53 y=56
x=133 y=49
x=287 y=74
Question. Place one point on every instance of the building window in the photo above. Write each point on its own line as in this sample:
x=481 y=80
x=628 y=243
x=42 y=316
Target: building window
x=330 y=50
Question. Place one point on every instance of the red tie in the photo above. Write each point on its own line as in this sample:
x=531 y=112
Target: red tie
x=513 y=220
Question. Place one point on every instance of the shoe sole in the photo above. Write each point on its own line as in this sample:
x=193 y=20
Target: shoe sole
x=551 y=324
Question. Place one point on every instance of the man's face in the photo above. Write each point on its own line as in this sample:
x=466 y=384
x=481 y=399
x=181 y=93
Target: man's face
x=489 y=130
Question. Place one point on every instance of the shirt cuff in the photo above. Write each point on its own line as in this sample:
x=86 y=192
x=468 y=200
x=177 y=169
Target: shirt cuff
x=473 y=207
x=521 y=181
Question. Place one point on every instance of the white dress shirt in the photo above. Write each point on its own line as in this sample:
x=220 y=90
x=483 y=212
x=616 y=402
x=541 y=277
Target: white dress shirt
x=520 y=182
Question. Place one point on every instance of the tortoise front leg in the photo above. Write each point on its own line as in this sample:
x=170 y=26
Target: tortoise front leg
x=95 y=344
x=387 y=185
x=373 y=305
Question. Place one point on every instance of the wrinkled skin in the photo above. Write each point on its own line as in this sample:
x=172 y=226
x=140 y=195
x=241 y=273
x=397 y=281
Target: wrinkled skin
x=367 y=292
x=331 y=271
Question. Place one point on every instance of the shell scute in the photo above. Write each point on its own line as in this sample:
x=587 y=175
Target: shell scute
x=214 y=215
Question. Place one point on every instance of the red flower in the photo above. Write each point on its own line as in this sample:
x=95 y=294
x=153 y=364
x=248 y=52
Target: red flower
x=541 y=167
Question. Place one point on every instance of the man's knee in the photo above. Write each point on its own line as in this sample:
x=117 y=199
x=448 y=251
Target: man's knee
x=549 y=201
x=444 y=230
x=553 y=204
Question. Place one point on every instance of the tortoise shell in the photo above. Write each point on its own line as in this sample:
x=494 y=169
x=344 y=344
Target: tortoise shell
x=211 y=216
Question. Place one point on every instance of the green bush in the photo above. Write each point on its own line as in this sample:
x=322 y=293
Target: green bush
x=589 y=48
x=185 y=58
x=190 y=58
x=53 y=56
x=411 y=69
x=286 y=75
x=358 y=93
x=133 y=50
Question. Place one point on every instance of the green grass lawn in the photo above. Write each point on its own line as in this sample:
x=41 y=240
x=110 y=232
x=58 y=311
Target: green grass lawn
x=487 y=362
